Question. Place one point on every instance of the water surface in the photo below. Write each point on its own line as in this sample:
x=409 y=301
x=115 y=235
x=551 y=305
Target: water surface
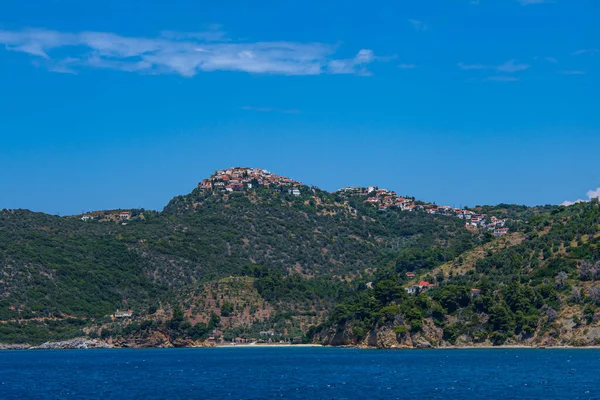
x=300 y=373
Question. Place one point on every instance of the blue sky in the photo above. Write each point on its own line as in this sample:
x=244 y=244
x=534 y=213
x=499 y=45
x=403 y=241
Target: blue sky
x=120 y=104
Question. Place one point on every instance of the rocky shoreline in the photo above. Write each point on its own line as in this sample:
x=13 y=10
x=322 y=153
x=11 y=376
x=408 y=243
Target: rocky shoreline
x=431 y=336
x=85 y=343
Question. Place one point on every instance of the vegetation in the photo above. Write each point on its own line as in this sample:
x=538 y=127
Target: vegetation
x=299 y=261
x=519 y=291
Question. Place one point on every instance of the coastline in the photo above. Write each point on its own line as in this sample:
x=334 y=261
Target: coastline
x=268 y=345
x=83 y=344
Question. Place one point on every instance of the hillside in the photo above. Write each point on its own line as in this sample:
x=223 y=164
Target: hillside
x=537 y=288
x=300 y=249
x=261 y=256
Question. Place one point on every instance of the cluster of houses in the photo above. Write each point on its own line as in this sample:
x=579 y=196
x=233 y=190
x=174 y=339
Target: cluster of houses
x=267 y=337
x=381 y=198
x=103 y=216
x=384 y=199
x=242 y=178
x=107 y=216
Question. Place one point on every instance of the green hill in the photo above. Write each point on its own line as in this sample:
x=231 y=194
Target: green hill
x=541 y=290
x=253 y=254
x=304 y=252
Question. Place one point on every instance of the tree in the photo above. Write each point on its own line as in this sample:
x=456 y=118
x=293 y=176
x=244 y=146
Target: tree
x=452 y=297
x=575 y=294
x=561 y=279
x=501 y=318
x=214 y=321
x=551 y=314
x=177 y=319
x=585 y=271
x=198 y=331
x=387 y=291
x=595 y=294
x=596 y=271
x=226 y=309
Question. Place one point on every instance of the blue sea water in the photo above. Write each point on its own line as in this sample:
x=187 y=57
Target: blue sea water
x=300 y=373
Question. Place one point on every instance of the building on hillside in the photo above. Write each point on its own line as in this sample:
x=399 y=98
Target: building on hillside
x=294 y=191
x=124 y=314
x=500 y=231
x=124 y=215
x=421 y=287
x=414 y=289
x=86 y=218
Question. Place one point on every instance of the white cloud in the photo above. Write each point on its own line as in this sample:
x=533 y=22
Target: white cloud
x=570 y=203
x=352 y=65
x=508 y=67
x=185 y=54
x=586 y=51
x=512 y=66
x=591 y=194
x=573 y=72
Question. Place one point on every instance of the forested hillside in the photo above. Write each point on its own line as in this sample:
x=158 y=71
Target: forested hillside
x=540 y=288
x=301 y=252
x=248 y=254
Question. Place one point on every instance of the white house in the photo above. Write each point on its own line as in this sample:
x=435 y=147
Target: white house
x=124 y=314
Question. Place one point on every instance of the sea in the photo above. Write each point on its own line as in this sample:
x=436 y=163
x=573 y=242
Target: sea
x=300 y=373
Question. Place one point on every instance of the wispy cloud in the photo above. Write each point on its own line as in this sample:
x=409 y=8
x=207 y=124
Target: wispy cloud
x=504 y=71
x=180 y=53
x=586 y=51
x=271 y=109
x=572 y=72
x=507 y=67
x=501 y=78
x=591 y=194
x=473 y=66
x=355 y=65
x=512 y=66
x=418 y=24
x=407 y=66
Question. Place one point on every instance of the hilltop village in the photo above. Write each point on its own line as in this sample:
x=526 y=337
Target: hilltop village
x=239 y=179
x=384 y=199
